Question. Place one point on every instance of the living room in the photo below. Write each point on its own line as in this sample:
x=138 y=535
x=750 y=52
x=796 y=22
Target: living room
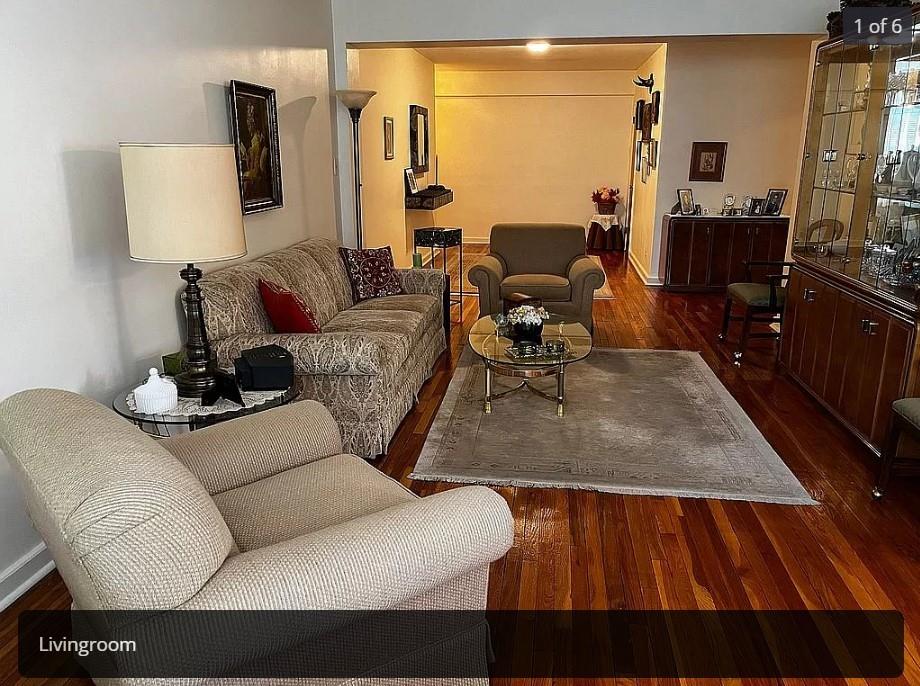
x=566 y=418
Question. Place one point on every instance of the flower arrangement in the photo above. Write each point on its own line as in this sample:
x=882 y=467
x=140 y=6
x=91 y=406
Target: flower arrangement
x=527 y=315
x=605 y=194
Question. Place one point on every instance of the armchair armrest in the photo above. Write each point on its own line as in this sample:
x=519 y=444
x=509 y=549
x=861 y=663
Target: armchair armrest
x=331 y=354
x=251 y=448
x=487 y=275
x=369 y=563
x=585 y=277
x=423 y=281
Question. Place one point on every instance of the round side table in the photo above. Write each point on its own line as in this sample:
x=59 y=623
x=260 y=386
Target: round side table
x=166 y=425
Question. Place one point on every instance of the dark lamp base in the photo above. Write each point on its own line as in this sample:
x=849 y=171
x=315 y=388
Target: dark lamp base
x=192 y=385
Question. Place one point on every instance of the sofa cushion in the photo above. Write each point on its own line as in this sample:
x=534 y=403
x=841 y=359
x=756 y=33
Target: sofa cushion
x=232 y=301
x=304 y=276
x=426 y=305
x=371 y=273
x=325 y=253
x=287 y=310
x=305 y=499
x=545 y=286
x=402 y=328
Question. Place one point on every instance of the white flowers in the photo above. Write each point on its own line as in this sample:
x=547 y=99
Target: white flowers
x=527 y=315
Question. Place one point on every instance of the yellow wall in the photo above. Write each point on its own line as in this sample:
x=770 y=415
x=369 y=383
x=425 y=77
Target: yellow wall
x=645 y=195
x=401 y=77
x=749 y=92
x=530 y=146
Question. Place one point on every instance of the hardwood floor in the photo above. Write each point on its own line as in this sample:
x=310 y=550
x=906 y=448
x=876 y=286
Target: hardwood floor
x=582 y=549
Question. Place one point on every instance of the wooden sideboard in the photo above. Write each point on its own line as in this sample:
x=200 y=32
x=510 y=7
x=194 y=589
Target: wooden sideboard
x=706 y=253
x=850 y=349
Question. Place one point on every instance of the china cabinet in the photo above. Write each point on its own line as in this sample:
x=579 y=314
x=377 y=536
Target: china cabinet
x=851 y=316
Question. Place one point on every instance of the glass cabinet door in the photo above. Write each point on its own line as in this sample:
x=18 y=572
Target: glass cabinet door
x=891 y=257
x=859 y=200
x=836 y=164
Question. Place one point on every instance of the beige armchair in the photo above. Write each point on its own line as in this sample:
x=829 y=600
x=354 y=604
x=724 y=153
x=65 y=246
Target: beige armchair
x=547 y=261
x=259 y=513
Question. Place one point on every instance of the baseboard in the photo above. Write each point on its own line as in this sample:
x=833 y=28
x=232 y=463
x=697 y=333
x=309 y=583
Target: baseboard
x=651 y=281
x=23 y=574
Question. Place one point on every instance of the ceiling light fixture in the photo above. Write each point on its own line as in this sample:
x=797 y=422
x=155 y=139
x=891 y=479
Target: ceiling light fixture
x=538 y=46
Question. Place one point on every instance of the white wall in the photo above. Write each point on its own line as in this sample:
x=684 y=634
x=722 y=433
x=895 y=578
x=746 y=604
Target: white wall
x=530 y=146
x=421 y=21
x=435 y=20
x=79 y=77
x=750 y=93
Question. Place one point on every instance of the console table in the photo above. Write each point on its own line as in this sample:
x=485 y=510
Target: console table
x=706 y=253
x=443 y=237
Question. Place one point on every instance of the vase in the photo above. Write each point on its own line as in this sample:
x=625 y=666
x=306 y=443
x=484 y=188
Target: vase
x=527 y=333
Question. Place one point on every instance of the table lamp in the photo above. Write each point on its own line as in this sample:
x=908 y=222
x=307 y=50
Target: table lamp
x=183 y=207
x=356 y=101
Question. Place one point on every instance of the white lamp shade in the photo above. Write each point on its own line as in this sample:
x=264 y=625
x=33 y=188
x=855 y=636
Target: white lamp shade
x=182 y=202
x=355 y=99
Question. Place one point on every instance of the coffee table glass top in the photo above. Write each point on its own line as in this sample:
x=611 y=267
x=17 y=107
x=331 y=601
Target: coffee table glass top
x=490 y=345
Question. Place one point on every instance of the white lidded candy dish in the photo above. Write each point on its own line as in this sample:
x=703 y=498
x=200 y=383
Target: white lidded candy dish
x=156 y=395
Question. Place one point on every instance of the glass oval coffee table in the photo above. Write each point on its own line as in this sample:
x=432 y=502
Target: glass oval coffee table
x=499 y=357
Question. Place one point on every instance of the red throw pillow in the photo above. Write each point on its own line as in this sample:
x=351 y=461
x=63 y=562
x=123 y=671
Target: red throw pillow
x=371 y=273
x=287 y=311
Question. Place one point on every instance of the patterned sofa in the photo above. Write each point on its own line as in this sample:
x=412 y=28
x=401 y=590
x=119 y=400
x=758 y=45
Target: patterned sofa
x=371 y=358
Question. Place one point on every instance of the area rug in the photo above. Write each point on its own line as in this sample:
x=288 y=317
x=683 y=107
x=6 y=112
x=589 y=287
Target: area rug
x=644 y=422
x=604 y=293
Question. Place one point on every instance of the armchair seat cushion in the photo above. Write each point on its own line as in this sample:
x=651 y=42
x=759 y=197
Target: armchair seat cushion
x=305 y=499
x=544 y=286
x=755 y=294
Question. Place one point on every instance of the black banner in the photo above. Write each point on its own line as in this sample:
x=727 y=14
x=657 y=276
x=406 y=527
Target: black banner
x=465 y=644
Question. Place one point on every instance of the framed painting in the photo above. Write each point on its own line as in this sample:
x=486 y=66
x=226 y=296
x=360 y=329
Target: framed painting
x=389 y=143
x=254 y=127
x=707 y=162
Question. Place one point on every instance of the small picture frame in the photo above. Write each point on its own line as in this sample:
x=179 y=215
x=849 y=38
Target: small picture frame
x=746 y=205
x=685 y=199
x=640 y=114
x=653 y=154
x=411 y=181
x=757 y=207
x=776 y=198
x=646 y=168
x=707 y=161
x=656 y=107
x=389 y=138
x=638 y=156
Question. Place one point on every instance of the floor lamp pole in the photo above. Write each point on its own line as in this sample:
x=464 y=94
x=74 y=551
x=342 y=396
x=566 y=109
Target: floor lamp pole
x=359 y=220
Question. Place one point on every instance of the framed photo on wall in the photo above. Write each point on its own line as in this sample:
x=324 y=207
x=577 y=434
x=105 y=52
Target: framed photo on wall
x=254 y=127
x=707 y=162
x=776 y=198
x=640 y=114
x=647 y=121
x=389 y=139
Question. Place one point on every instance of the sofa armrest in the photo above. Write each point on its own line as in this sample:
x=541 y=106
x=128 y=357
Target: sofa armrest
x=423 y=281
x=487 y=274
x=251 y=448
x=329 y=354
x=585 y=277
x=373 y=562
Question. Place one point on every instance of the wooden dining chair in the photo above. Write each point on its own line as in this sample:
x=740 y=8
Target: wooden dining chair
x=761 y=302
